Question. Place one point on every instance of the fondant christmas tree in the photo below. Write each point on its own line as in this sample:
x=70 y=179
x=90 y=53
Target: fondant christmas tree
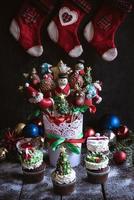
x=63 y=165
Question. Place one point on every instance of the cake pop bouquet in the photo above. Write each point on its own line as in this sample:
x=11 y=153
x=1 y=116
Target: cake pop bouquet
x=63 y=94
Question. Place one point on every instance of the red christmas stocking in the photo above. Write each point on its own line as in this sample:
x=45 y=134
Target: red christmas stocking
x=63 y=28
x=101 y=30
x=26 y=28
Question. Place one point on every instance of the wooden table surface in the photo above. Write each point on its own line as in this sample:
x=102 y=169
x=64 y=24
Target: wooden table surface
x=119 y=186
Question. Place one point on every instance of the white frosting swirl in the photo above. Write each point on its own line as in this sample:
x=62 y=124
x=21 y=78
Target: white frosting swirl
x=64 y=179
x=97 y=166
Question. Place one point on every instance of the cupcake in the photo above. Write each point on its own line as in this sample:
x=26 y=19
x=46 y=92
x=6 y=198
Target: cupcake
x=97 y=167
x=63 y=177
x=98 y=144
x=32 y=165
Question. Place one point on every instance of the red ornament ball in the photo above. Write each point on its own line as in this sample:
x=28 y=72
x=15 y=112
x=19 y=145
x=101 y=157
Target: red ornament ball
x=119 y=157
x=80 y=101
x=122 y=132
x=89 y=132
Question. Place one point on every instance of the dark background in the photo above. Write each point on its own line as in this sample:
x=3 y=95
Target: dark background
x=117 y=76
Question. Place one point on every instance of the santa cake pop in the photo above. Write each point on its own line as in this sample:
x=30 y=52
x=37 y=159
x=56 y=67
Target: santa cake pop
x=37 y=98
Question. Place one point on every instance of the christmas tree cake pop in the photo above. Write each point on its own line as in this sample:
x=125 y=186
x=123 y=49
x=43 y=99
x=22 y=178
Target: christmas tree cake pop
x=63 y=177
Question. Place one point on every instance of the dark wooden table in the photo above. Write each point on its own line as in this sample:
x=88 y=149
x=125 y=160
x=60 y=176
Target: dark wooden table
x=119 y=186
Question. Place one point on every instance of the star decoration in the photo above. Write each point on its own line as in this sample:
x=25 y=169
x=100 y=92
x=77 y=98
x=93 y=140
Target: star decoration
x=20 y=88
x=63 y=149
x=25 y=75
x=62 y=96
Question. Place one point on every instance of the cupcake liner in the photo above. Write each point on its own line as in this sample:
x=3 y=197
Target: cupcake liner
x=63 y=189
x=98 y=178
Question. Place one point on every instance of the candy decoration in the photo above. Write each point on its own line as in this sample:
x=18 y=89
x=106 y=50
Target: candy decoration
x=79 y=67
x=76 y=81
x=92 y=91
x=47 y=84
x=19 y=129
x=122 y=132
x=37 y=98
x=89 y=132
x=31 y=130
x=119 y=157
x=111 y=122
x=61 y=104
x=63 y=85
x=46 y=103
x=30 y=90
x=77 y=99
x=46 y=68
x=80 y=98
x=63 y=68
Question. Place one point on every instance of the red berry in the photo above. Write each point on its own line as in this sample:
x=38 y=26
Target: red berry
x=119 y=157
x=89 y=132
x=98 y=160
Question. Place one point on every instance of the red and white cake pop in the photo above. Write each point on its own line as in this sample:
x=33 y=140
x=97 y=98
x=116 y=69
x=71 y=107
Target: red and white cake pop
x=37 y=98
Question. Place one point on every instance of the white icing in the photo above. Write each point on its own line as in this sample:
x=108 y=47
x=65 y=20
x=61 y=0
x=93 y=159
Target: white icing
x=65 y=179
x=73 y=14
x=97 y=166
x=97 y=145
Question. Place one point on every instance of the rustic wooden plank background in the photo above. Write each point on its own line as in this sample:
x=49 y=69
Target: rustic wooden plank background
x=10 y=181
x=119 y=186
